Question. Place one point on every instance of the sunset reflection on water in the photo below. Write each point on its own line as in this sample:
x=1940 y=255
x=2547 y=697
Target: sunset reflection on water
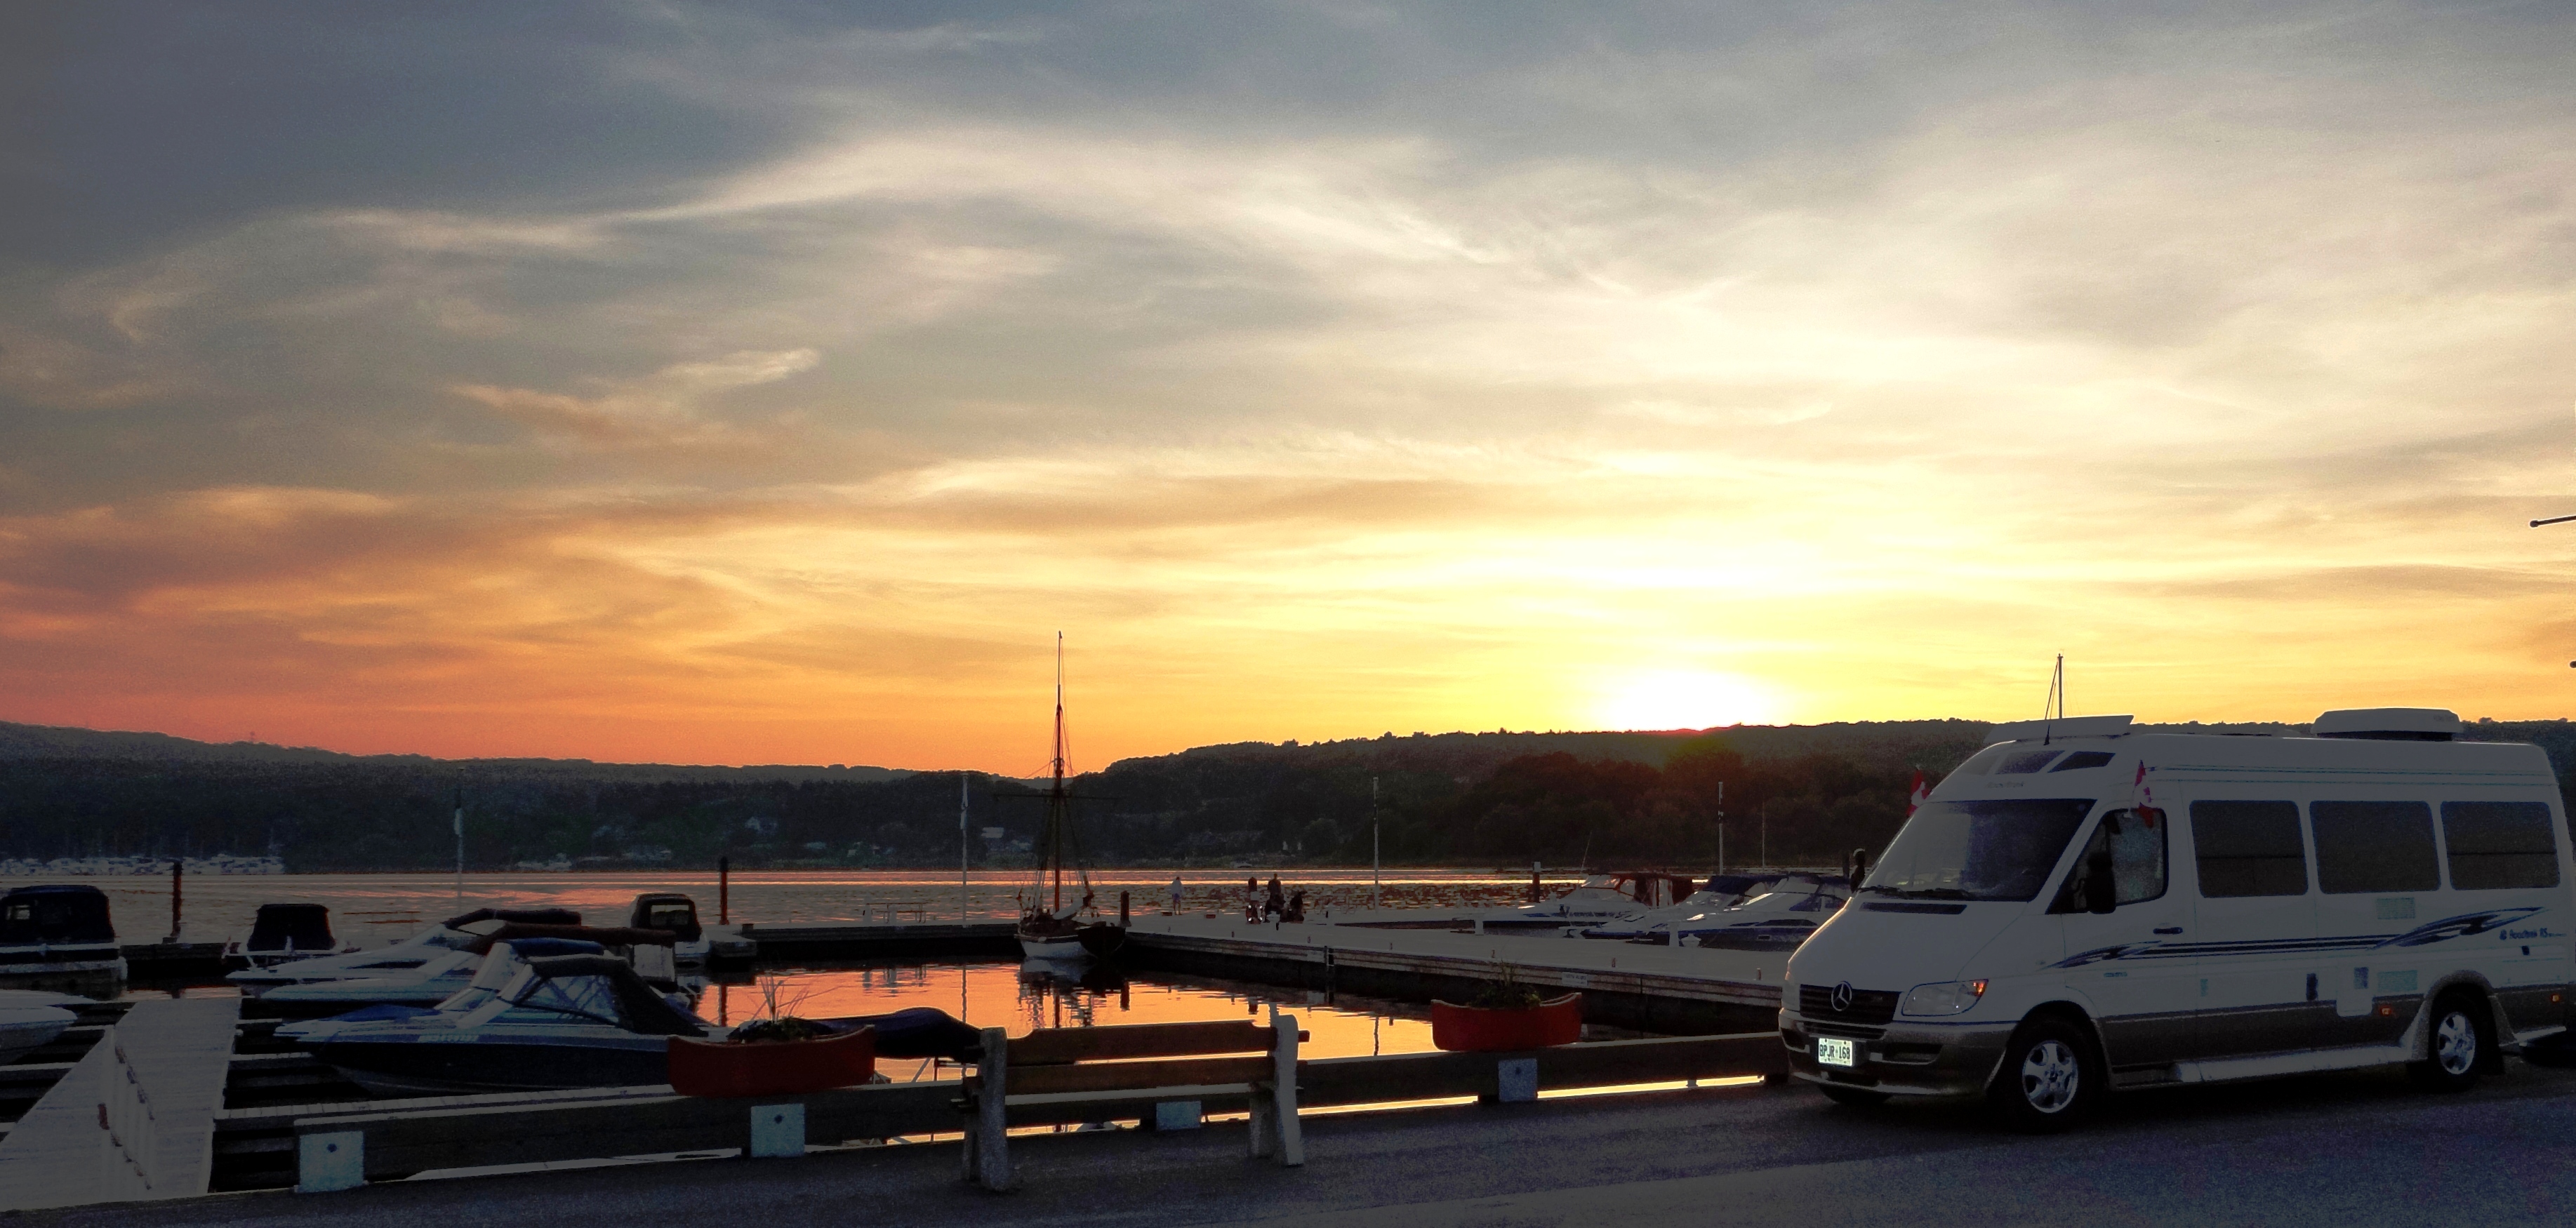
x=1021 y=997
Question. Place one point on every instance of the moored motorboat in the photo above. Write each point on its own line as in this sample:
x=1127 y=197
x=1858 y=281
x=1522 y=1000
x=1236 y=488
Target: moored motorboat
x=280 y=933
x=31 y=1019
x=678 y=914
x=1598 y=898
x=561 y=1022
x=435 y=980
x=1779 y=920
x=1721 y=891
x=58 y=935
x=431 y=945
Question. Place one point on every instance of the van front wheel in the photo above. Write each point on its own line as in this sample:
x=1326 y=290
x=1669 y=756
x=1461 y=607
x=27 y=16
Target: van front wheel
x=2049 y=1078
x=2459 y=1046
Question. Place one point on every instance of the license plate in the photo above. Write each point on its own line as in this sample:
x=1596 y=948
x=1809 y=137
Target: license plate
x=1835 y=1051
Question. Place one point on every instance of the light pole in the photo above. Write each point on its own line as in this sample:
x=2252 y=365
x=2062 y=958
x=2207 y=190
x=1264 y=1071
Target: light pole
x=2554 y=520
x=1373 y=844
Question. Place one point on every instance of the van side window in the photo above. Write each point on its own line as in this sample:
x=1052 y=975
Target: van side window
x=2375 y=846
x=2500 y=844
x=2248 y=848
x=2135 y=839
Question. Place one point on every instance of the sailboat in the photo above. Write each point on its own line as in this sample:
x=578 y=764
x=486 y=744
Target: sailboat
x=1048 y=928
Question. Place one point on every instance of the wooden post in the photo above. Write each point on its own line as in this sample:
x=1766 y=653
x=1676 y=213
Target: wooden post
x=1283 y=1094
x=175 y=868
x=724 y=890
x=1122 y=910
x=991 y=1139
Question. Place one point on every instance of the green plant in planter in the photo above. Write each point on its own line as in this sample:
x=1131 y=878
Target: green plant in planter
x=1505 y=992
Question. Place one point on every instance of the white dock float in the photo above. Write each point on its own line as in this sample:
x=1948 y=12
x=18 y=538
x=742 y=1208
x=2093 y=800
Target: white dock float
x=134 y=1119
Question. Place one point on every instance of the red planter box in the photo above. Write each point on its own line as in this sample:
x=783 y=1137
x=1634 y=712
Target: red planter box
x=1472 y=1029
x=773 y=1067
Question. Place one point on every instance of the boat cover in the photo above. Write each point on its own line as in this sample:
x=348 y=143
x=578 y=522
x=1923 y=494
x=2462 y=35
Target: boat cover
x=597 y=935
x=528 y=916
x=662 y=911
x=603 y=988
x=68 y=913
x=920 y=1031
x=308 y=926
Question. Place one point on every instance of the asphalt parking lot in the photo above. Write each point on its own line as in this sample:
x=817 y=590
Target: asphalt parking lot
x=2353 y=1148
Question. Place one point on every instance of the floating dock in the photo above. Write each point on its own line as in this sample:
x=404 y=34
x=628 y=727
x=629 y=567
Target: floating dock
x=134 y=1118
x=1672 y=990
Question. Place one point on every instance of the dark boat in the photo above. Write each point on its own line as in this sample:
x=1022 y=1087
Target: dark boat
x=676 y=915
x=57 y=932
x=283 y=932
x=1102 y=939
x=562 y=1022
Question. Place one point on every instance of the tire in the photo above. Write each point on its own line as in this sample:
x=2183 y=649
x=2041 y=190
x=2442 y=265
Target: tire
x=2462 y=1043
x=1852 y=1097
x=2050 y=1079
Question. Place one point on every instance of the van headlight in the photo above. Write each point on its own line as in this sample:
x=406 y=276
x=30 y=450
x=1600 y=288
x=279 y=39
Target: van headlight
x=1944 y=998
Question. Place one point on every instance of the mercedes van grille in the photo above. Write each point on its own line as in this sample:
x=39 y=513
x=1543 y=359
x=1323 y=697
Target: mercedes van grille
x=1867 y=1005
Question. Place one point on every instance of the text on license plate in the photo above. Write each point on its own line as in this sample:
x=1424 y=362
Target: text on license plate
x=1835 y=1051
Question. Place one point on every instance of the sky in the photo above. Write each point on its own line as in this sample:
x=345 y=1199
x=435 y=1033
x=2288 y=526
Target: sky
x=774 y=382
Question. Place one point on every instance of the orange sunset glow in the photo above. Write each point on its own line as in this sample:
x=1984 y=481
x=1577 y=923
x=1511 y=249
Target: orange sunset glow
x=729 y=386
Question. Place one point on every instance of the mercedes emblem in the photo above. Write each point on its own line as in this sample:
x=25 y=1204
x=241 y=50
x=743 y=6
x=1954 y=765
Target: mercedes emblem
x=1842 y=997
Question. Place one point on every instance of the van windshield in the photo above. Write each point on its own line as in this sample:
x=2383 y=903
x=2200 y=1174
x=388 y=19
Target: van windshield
x=1998 y=849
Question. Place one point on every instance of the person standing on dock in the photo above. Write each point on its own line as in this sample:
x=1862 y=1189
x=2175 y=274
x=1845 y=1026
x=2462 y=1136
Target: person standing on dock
x=1176 y=895
x=1277 y=904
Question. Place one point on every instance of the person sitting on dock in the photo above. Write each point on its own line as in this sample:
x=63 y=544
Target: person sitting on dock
x=1296 y=908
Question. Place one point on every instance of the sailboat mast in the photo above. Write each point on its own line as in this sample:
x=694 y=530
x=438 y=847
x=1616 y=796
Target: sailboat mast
x=1055 y=798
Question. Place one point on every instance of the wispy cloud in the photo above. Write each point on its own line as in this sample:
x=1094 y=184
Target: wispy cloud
x=1327 y=370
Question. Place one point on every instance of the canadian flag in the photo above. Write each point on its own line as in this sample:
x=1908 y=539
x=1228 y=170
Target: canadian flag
x=2142 y=796
x=1922 y=793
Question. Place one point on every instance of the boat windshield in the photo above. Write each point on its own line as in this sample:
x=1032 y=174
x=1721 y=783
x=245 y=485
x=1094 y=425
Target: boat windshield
x=1994 y=849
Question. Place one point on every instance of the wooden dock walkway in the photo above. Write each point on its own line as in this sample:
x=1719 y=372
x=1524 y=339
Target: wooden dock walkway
x=134 y=1118
x=1678 y=990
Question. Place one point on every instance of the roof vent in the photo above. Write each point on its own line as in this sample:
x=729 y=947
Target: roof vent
x=2062 y=727
x=2390 y=724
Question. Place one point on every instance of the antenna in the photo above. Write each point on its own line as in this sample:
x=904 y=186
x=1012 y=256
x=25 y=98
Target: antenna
x=2056 y=699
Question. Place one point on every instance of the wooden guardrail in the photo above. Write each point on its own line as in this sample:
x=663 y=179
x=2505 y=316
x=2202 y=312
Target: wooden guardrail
x=1169 y=1066
x=340 y=1146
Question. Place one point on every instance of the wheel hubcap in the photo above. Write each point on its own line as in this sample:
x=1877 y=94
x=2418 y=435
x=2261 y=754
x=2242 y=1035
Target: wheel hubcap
x=2049 y=1076
x=2455 y=1043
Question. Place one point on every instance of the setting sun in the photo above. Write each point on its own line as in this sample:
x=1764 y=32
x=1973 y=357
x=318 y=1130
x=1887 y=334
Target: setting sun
x=1685 y=700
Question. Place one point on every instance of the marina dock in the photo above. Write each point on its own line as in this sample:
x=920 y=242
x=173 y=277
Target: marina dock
x=1675 y=990
x=134 y=1118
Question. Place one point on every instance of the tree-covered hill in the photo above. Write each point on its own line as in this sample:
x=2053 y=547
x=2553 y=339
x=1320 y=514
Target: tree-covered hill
x=1810 y=793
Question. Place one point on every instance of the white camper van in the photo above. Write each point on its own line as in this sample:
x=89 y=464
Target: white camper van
x=2081 y=909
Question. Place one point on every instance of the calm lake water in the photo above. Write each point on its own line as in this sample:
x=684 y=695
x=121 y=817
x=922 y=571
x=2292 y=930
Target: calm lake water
x=1020 y=997
x=376 y=909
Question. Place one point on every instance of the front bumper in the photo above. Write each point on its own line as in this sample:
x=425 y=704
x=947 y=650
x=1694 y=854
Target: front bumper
x=1902 y=1058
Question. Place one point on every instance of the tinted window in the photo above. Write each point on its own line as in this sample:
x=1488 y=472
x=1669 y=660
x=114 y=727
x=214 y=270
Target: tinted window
x=2001 y=849
x=2083 y=759
x=2500 y=844
x=2021 y=763
x=2248 y=848
x=2135 y=839
x=2375 y=846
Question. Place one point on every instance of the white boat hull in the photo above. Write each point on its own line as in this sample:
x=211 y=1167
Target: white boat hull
x=1066 y=947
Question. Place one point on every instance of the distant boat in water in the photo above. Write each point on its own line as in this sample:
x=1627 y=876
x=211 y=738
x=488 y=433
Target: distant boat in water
x=1048 y=928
